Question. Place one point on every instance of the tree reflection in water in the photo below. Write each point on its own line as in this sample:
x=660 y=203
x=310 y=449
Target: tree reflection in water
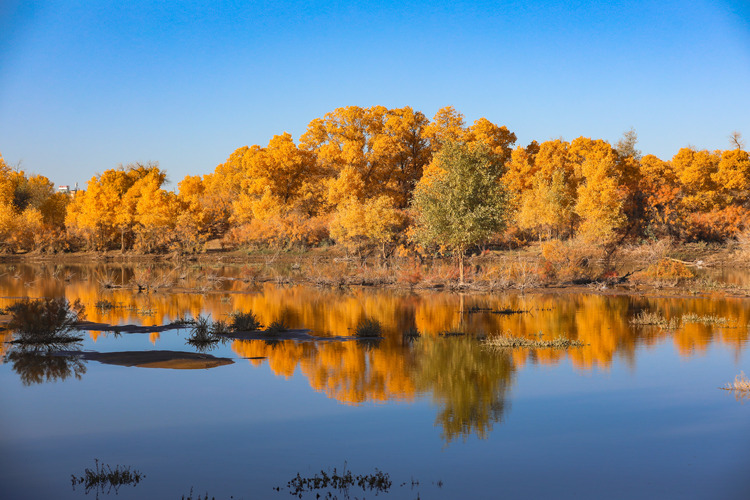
x=36 y=366
x=469 y=384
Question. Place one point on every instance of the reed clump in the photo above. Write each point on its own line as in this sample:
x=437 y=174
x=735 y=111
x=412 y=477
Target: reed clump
x=645 y=318
x=708 y=320
x=741 y=384
x=368 y=328
x=45 y=321
x=508 y=341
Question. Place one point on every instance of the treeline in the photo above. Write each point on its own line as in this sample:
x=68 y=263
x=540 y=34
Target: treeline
x=350 y=180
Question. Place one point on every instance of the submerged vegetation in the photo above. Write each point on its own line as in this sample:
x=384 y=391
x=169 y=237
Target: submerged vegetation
x=645 y=318
x=105 y=479
x=379 y=482
x=708 y=320
x=508 y=341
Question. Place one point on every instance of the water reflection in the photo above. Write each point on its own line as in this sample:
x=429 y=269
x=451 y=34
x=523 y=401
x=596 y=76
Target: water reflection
x=36 y=366
x=468 y=384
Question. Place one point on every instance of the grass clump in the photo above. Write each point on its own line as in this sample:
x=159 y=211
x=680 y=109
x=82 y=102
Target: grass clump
x=508 y=341
x=708 y=320
x=45 y=321
x=104 y=476
x=244 y=322
x=368 y=328
x=645 y=318
x=204 y=334
x=379 y=482
x=277 y=327
x=741 y=383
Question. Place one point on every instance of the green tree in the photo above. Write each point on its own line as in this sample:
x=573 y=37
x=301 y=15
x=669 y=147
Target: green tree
x=460 y=201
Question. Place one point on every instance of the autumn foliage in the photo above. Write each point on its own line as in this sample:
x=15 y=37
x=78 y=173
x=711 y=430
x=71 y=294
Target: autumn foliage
x=351 y=180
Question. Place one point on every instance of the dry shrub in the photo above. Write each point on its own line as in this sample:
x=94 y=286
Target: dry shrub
x=279 y=232
x=244 y=321
x=743 y=241
x=651 y=251
x=570 y=260
x=521 y=274
x=375 y=275
x=409 y=274
x=53 y=240
x=327 y=273
x=668 y=271
x=440 y=274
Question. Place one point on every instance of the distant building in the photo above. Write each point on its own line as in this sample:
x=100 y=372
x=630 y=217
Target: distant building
x=67 y=190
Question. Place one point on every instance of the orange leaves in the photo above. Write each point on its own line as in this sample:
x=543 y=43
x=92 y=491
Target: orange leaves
x=356 y=224
x=122 y=204
x=29 y=210
x=382 y=149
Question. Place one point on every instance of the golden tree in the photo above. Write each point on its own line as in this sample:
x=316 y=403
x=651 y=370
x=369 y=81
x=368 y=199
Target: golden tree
x=374 y=222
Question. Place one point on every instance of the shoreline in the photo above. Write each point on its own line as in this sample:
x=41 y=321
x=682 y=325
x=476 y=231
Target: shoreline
x=524 y=270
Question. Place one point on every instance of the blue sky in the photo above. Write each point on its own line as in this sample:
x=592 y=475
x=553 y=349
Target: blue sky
x=87 y=85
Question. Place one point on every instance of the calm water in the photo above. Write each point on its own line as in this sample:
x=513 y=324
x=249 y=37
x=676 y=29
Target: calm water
x=635 y=413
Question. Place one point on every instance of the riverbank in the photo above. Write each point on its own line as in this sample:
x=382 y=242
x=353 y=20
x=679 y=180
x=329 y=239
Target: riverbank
x=682 y=269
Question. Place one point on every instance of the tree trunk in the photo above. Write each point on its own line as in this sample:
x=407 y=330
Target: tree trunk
x=461 y=267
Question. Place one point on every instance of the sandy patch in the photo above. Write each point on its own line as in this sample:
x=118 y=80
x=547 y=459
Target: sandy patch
x=176 y=360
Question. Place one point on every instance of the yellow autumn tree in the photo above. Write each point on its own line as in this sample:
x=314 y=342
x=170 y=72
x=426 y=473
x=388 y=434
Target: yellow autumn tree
x=379 y=149
x=544 y=183
x=107 y=213
x=193 y=218
x=358 y=225
x=31 y=213
x=155 y=213
x=695 y=171
x=600 y=195
x=280 y=195
x=661 y=190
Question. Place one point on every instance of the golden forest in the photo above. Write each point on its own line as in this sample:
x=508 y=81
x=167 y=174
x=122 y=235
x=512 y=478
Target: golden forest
x=350 y=180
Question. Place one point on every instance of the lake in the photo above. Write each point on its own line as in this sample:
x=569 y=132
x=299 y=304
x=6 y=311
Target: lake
x=636 y=412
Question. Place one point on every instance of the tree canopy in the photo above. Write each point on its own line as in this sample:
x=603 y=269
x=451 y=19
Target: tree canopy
x=460 y=201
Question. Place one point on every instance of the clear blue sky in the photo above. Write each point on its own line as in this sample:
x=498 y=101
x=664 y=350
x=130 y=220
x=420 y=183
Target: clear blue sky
x=87 y=85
